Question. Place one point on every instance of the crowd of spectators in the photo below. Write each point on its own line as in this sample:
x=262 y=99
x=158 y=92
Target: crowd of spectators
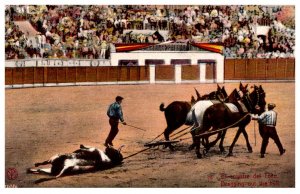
x=87 y=31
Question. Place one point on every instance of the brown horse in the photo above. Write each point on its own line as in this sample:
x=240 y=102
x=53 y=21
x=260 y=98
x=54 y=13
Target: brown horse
x=234 y=98
x=219 y=116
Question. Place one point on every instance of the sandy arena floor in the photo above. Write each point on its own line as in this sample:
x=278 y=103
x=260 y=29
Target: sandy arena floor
x=41 y=122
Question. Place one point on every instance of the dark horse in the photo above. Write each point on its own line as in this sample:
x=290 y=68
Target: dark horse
x=176 y=112
x=235 y=98
x=219 y=116
x=222 y=96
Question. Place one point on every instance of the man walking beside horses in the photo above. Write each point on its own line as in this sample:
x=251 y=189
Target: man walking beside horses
x=267 y=129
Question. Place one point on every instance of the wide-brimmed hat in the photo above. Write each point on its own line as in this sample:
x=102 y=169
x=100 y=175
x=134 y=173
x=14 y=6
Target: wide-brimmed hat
x=271 y=105
x=119 y=98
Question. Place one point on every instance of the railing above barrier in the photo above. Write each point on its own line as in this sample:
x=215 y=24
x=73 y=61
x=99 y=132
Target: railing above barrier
x=57 y=63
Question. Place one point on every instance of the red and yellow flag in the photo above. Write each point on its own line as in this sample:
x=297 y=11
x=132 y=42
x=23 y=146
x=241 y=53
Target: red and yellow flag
x=213 y=47
x=132 y=47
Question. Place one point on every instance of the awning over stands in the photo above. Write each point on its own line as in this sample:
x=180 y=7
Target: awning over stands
x=126 y=47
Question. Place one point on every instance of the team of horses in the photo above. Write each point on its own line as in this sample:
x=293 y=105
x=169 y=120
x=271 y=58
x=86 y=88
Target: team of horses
x=213 y=112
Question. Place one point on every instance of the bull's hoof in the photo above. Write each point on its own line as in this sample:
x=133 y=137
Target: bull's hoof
x=204 y=151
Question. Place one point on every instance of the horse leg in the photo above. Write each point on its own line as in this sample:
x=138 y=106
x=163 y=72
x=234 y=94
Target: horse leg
x=192 y=146
x=208 y=144
x=247 y=140
x=197 y=145
x=197 y=140
x=193 y=131
x=167 y=138
x=234 y=141
x=222 y=150
x=205 y=142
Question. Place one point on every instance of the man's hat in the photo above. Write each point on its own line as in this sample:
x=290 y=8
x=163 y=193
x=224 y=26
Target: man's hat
x=271 y=105
x=119 y=98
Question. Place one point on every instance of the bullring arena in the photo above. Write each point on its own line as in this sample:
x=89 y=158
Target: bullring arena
x=41 y=122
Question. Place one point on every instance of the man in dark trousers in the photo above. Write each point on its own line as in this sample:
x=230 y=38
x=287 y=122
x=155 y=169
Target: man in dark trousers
x=114 y=112
x=267 y=129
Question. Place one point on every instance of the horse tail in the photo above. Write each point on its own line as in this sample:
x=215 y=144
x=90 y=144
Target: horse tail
x=161 y=107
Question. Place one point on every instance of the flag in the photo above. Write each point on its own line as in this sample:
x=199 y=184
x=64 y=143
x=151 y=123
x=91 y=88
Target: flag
x=132 y=46
x=213 y=47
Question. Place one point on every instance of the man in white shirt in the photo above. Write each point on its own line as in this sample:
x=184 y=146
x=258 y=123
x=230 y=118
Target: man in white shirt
x=267 y=129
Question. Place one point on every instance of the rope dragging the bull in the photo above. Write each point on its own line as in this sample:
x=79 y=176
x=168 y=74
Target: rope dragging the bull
x=162 y=142
x=137 y=153
x=181 y=131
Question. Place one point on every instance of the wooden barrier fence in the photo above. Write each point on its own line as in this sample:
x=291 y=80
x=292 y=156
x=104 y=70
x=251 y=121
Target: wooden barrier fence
x=259 y=69
x=41 y=75
x=165 y=72
x=234 y=69
x=190 y=72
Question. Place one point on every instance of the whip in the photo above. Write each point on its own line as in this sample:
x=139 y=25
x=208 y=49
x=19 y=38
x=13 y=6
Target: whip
x=135 y=127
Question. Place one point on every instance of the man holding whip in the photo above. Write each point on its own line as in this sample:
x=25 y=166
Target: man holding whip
x=114 y=112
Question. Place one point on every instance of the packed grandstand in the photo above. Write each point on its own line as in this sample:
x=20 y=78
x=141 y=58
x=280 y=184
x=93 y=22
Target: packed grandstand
x=91 y=31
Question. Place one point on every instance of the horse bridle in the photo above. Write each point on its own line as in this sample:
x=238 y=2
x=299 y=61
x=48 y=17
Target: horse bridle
x=249 y=101
x=257 y=101
x=219 y=96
